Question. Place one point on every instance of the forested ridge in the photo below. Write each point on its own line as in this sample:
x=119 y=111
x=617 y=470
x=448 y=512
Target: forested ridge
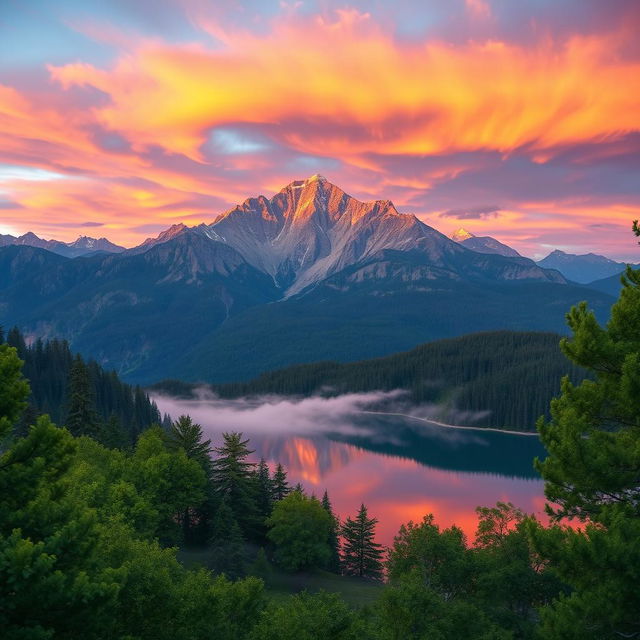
x=89 y=528
x=505 y=378
x=55 y=375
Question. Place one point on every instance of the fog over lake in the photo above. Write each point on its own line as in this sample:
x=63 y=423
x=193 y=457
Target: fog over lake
x=401 y=467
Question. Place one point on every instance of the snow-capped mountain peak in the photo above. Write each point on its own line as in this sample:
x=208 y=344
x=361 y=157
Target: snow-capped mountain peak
x=461 y=234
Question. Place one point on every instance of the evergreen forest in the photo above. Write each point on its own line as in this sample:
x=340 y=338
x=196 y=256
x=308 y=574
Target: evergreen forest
x=164 y=535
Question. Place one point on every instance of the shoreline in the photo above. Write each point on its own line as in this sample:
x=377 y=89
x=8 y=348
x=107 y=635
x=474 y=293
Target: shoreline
x=454 y=426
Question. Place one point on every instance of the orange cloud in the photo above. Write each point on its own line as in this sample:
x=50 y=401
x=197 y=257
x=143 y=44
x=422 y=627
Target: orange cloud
x=340 y=88
x=345 y=86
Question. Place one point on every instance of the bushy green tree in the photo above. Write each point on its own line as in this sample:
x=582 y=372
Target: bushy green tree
x=263 y=492
x=14 y=390
x=592 y=474
x=51 y=577
x=172 y=483
x=323 y=616
x=511 y=580
x=300 y=528
x=361 y=554
x=410 y=610
x=439 y=557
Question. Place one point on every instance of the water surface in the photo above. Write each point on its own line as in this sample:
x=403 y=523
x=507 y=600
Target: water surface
x=402 y=468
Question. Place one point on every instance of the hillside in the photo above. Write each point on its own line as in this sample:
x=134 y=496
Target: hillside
x=509 y=377
x=48 y=366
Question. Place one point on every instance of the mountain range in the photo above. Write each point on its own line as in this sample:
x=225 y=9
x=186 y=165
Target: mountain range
x=308 y=274
x=585 y=268
x=82 y=246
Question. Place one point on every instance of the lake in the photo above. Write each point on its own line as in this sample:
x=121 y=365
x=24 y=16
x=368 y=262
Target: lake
x=401 y=467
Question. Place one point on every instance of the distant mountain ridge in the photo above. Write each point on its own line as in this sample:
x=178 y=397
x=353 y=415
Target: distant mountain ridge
x=308 y=274
x=82 y=246
x=583 y=268
x=483 y=244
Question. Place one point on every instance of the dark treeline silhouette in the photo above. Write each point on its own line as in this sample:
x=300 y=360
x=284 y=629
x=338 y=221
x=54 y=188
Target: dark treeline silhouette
x=507 y=377
x=56 y=375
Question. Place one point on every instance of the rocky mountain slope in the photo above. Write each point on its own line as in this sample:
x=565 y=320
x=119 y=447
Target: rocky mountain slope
x=483 y=244
x=308 y=274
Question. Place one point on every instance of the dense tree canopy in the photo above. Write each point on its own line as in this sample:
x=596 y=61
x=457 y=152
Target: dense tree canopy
x=592 y=474
x=300 y=528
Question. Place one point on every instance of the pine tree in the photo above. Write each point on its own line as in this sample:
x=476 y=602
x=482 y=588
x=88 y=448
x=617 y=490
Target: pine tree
x=233 y=483
x=334 y=541
x=281 y=488
x=264 y=492
x=113 y=434
x=81 y=416
x=227 y=543
x=187 y=435
x=592 y=474
x=361 y=555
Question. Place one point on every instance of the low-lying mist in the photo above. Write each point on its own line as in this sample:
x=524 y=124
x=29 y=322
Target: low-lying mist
x=347 y=414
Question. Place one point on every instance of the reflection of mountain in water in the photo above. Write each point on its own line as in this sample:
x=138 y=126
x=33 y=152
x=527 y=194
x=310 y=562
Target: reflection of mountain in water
x=451 y=449
x=490 y=452
x=309 y=458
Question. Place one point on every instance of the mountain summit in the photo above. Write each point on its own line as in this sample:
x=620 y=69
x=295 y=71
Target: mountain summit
x=311 y=229
x=483 y=244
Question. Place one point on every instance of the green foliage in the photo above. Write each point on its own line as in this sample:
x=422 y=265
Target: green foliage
x=78 y=555
x=410 y=610
x=299 y=527
x=323 y=616
x=440 y=558
x=591 y=474
x=173 y=483
x=361 y=554
x=281 y=488
x=263 y=492
x=334 y=563
x=51 y=577
x=261 y=567
x=14 y=389
x=228 y=553
x=187 y=435
x=233 y=482
x=82 y=419
x=511 y=580
x=121 y=411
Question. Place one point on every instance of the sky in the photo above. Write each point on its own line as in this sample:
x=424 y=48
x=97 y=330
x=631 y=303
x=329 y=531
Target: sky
x=519 y=120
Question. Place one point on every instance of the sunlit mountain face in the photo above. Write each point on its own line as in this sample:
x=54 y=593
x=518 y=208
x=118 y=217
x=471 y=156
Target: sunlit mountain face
x=517 y=121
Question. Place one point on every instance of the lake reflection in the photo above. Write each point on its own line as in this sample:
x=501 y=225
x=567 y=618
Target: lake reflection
x=401 y=468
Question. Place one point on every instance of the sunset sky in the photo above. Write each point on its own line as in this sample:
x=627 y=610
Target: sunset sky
x=516 y=119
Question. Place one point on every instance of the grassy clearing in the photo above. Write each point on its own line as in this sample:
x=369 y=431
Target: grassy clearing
x=280 y=584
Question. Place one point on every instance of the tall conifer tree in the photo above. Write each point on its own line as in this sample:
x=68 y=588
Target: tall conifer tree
x=334 y=541
x=82 y=419
x=281 y=488
x=232 y=481
x=361 y=555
